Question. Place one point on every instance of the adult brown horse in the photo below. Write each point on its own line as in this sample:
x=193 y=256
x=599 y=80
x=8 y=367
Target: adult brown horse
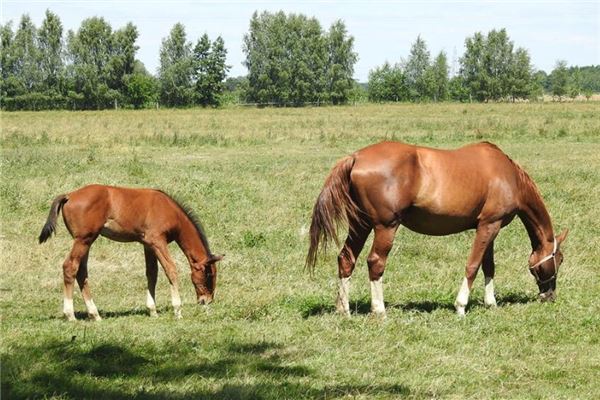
x=146 y=216
x=433 y=192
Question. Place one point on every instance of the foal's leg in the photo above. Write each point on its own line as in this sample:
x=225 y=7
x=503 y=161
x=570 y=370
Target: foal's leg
x=488 y=272
x=82 y=280
x=162 y=253
x=485 y=234
x=346 y=263
x=382 y=244
x=70 y=268
x=151 y=276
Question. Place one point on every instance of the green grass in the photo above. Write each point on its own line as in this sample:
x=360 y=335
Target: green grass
x=252 y=176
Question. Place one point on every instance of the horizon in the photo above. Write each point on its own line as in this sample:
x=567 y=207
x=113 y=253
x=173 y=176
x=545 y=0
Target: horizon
x=383 y=30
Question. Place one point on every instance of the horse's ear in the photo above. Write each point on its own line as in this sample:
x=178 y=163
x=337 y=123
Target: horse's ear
x=561 y=238
x=213 y=258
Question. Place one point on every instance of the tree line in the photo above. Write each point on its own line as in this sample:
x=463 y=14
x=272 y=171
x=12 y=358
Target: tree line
x=96 y=68
x=291 y=61
x=491 y=69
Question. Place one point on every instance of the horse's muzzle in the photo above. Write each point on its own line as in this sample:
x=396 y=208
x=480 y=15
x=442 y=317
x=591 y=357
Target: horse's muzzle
x=204 y=299
x=548 y=296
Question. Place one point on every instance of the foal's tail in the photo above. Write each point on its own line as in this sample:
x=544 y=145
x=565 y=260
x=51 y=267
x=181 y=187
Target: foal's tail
x=334 y=205
x=50 y=225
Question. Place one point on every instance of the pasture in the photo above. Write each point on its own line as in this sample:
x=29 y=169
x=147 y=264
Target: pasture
x=252 y=176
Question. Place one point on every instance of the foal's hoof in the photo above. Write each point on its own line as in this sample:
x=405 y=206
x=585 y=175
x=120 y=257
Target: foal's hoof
x=153 y=313
x=342 y=311
x=70 y=317
x=460 y=311
x=95 y=317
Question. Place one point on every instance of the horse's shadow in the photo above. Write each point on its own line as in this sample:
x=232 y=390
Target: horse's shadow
x=83 y=315
x=363 y=306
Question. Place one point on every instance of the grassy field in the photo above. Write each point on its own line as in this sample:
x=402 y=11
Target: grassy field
x=252 y=176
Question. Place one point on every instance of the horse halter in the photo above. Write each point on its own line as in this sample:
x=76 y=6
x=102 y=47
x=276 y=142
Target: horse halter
x=543 y=260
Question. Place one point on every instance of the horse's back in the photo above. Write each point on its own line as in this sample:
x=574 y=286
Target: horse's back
x=432 y=190
x=122 y=214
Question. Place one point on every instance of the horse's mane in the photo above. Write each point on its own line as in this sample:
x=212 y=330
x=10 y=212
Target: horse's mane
x=193 y=219
x=525 y=180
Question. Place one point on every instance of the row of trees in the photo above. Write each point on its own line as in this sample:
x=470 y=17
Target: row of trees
x=416 y=79
x=571 y=82
x=189 y=75
x=490 y=69
x=92 y=70
x=291 y=60
x=95 y=67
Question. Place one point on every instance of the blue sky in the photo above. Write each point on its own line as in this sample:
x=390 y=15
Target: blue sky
x=383 y=30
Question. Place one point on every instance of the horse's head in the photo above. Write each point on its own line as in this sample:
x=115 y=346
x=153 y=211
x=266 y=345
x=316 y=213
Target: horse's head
x=204 y=277
x=544 y=268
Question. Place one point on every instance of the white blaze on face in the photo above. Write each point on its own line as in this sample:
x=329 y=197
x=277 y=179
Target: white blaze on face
x=377 y=304
x=489 y=298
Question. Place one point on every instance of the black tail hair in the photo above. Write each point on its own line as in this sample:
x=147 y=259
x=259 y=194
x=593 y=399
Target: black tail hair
x=50 y=225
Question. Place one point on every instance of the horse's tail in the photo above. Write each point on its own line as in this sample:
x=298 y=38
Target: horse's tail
x=50 y=225
x=334 y=205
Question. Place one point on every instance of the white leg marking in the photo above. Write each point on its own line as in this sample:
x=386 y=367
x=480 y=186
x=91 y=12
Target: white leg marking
x=343 y=303
x=92 y=310
x=377 y=304
x=176 y=301
x=489 y=298
x=463 y=298
x=68 y=309
x=151 y=304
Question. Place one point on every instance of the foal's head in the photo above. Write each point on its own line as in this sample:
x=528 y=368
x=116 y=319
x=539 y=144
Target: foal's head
x=545 y=269
x=204 y=277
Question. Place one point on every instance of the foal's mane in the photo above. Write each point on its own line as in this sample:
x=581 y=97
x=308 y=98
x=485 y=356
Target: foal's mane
x=193 y=219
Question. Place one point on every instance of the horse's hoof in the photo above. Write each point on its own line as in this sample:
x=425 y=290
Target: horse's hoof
x=70 y=317
x=379 y=314
x=342 y=312
x=95 y=317
x=153 y=314
x=342 y=308
x=460 y=311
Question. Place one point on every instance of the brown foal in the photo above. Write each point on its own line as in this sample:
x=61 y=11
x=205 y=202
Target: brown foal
x=146 y=216
x=433 y=192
